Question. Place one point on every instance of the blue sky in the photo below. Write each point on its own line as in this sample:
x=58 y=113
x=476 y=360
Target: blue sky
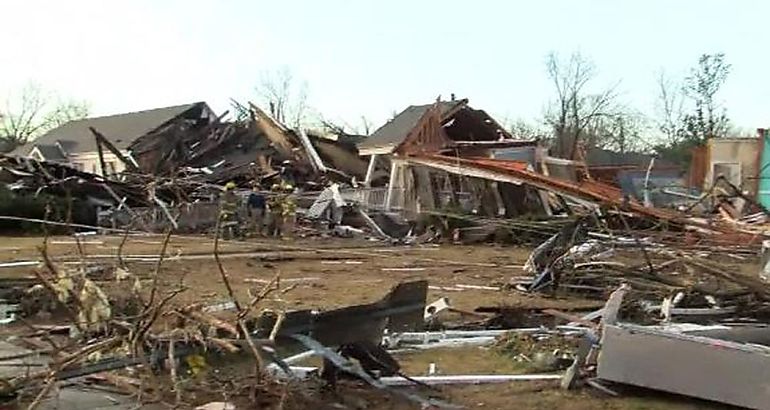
x=367 y=58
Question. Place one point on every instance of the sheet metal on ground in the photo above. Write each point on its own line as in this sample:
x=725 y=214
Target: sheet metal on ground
x=703 y=367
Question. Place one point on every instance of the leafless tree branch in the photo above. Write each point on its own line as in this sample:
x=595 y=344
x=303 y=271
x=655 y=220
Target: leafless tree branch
x=578 y=114
x=34 y=111
x=286 y=100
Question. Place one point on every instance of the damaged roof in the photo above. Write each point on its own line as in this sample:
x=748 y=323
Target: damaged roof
x=393 y=133
x=120 y=129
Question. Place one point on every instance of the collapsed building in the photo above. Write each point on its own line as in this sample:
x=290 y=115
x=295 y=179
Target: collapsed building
x=449 y=160
x=445 y=158
x=151 y=162
x=444 y=128
x=74 y=144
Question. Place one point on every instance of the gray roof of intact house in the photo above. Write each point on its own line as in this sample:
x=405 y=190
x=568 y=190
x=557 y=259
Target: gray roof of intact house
x=120 y=129
x=395 y=131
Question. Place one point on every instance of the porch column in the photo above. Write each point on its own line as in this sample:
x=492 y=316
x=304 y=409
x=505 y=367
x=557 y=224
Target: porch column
x=368 y=181
x=395 y=168
x=370 y=170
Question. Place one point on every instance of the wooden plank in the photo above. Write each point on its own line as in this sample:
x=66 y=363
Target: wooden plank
x=102 y=140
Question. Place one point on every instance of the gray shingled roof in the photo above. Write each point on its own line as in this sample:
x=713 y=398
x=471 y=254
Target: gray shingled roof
x=395 y=131
x=51 y=152
x=120 y=129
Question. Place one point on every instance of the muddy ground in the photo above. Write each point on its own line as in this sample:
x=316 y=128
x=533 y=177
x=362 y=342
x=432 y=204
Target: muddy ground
x=330 y=272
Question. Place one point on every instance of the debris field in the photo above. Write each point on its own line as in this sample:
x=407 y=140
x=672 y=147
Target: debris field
x=329 y=273
x=437 y=263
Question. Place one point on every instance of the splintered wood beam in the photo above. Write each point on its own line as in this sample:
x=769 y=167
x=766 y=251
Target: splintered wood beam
x=274 y=131
x=101 y=140
x=99 y=151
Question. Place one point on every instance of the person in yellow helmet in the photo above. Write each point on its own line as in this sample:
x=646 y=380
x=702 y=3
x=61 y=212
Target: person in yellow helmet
x=274 y=208
x=288 y=210
x=228 y=205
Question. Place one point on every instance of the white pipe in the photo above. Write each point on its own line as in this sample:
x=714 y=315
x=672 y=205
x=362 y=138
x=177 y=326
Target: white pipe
x=477 y=287
x=369 y=221
x=469 y=341
x=274 y=369
x=299 y=357
x=468 y=379
x=19 y=263
x=647 y=199
x=166 y=211
x=456 y=334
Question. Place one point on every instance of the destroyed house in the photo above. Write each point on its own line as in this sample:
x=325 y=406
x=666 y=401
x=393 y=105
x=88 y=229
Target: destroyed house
x=449 y=159
x=451 y=128
x=75 y=143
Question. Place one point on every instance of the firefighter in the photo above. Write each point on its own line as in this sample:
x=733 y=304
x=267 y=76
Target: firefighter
x=229 y=208
x=274 y=211
x=288 y=211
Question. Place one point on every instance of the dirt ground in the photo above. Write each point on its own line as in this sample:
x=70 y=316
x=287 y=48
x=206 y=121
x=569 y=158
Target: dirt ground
x=330 y=272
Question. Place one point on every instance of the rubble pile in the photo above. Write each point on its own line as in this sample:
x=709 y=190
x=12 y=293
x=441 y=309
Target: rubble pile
x=158 y=351
x=668 y=276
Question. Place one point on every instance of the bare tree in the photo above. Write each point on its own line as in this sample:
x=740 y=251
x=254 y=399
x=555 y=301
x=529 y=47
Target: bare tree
x=341 y=127
x=523 y=129
x=35 y=111
x=366 y=127
x=363 y=127
x=622 y=131
x=286 y=100
x=670 y=108
x=576 y=106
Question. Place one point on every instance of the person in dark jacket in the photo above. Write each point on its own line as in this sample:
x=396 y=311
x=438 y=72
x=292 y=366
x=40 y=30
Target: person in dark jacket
x=256 y=206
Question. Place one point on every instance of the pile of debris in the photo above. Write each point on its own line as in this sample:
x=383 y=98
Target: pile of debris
x=172 y=171
x=148 y=348
x=673 y=269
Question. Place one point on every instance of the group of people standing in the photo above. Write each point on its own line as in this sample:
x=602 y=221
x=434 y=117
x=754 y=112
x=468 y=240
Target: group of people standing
x=270 y=213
